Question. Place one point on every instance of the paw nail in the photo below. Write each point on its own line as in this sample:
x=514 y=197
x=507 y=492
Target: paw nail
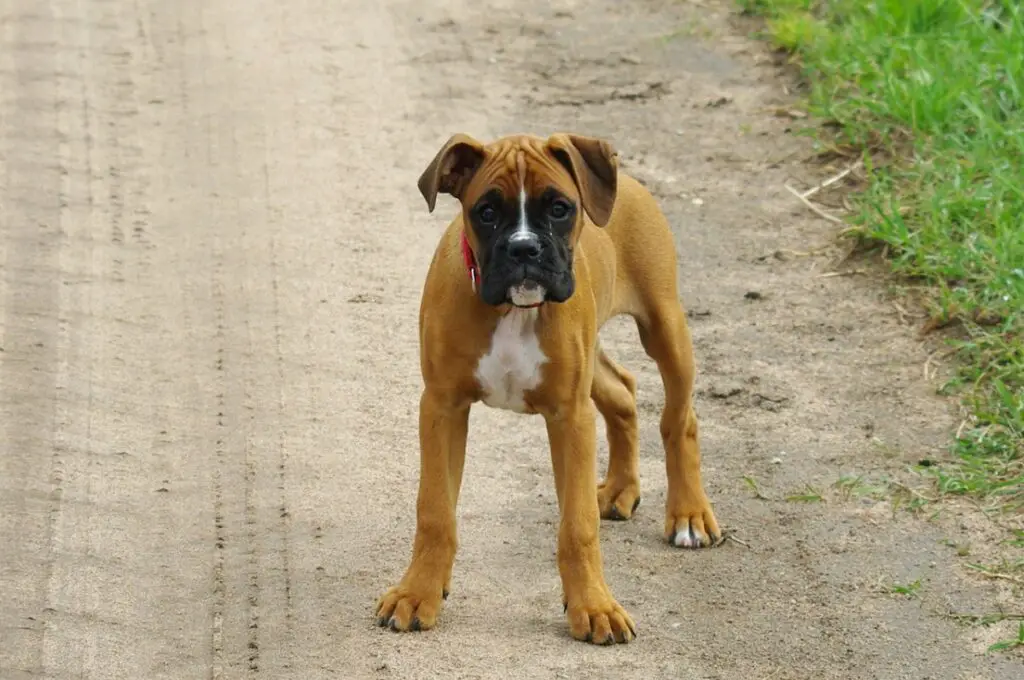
x=615 y=514
x=636 y=503
x=393 y=623
x=444 y=594
x=415 y=624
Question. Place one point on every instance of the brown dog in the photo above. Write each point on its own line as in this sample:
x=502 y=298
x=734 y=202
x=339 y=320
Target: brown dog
x=552 y=241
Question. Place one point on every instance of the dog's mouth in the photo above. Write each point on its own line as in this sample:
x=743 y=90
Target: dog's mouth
x=525 y=286
x=527 y=294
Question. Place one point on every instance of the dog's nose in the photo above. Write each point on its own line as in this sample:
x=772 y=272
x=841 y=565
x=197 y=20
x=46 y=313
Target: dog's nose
x=524 y=247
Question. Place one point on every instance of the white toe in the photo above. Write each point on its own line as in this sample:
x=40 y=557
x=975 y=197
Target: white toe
x=685 y=539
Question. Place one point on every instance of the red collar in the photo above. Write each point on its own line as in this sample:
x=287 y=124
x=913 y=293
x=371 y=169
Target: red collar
x=470 y=260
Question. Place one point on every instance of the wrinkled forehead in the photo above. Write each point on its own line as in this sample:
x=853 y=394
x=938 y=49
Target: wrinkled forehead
x=519 y=165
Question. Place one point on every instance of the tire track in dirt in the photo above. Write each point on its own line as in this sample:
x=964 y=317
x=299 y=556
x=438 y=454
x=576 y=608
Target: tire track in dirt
x=220 y=529
x=31 y=464
x=120 y=550
x=255 y=573
x=127 y=475
x=171 y=37
x=284 y=526
x=236 y=643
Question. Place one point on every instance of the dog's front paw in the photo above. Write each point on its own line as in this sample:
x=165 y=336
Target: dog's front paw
x=692 y=524
x=600 y=620
x=404 y=608
x=617 y=500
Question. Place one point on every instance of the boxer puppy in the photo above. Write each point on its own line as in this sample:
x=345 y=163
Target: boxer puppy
x=551 y=242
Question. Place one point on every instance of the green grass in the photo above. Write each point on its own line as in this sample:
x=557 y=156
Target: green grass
x=907 y=590
x=990 y=619
x=809 y=495
x=930 y=94
x=1012 y=643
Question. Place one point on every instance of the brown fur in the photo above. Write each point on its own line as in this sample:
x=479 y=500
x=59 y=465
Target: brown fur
x=628 y=266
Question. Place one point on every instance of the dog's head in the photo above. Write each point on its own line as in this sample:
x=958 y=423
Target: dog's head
x=523 y=203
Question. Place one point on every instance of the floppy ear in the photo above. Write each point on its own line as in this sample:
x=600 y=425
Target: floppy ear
x=452 y=169
x=593 y=164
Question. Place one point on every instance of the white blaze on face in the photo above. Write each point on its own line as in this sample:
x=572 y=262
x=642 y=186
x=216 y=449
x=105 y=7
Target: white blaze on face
x=528 y=293
x=523 y=228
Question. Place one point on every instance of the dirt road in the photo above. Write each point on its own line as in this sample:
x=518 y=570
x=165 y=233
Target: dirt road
x=211 y=253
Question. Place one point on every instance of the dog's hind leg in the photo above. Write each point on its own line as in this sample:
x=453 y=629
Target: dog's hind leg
x=689 y=519
x=614 y=394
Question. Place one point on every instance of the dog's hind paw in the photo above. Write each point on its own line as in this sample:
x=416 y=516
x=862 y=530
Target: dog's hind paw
x=616 y=501
x=692 y=526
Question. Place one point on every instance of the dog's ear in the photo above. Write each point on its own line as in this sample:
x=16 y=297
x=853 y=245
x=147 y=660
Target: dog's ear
x=593 y=164
x=452 y=169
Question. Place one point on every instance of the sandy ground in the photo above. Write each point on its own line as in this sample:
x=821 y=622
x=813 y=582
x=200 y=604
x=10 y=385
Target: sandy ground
x=211 y=255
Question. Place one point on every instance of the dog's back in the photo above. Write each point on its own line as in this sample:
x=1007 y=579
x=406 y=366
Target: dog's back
x=638 y=243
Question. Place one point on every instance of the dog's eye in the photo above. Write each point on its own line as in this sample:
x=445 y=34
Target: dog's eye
x=487 y=215
x=559 y=209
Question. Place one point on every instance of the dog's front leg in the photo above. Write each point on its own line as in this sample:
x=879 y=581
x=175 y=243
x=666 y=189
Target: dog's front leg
x=593 y=613
x=415 y=602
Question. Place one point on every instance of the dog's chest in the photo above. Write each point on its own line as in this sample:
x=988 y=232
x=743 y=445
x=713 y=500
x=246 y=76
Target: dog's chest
x=512 y=364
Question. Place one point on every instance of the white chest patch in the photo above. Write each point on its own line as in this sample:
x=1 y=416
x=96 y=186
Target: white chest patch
x=512 y=364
